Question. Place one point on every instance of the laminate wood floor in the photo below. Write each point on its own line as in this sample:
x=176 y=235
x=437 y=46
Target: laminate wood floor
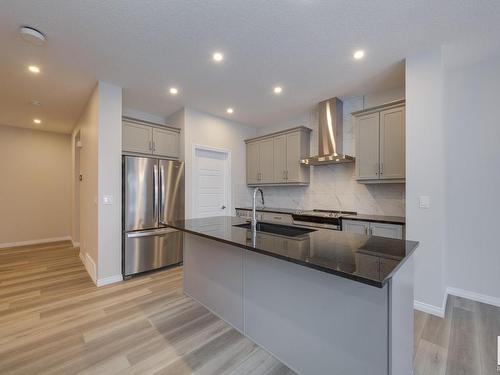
x=53 y=320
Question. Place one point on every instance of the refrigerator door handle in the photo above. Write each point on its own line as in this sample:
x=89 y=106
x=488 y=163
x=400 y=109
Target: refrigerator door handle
x=155 y=192
x=150 y=233
x=161 y=196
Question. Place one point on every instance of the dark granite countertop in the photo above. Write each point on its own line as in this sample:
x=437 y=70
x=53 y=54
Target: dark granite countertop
x=367 y=259
x=377 y=218
x=364 y=217
x=271 y=209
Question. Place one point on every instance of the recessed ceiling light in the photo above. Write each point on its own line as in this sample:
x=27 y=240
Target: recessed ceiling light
x=37 y=121
x=278 y=90
x=36 y=103
x=34 y=69
x=230 y=110
x=173 y=91
x=359 y=54
x=218 y=57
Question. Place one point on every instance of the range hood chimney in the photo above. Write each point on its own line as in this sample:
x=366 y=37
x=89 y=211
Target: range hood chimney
x=329 y=135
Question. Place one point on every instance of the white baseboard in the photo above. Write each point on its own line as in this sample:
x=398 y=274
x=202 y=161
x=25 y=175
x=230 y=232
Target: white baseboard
x=109 y=280
x=473 y=296
x=430 y=309
x=34 y=242
x=90 y=266
x=450 y=291
x=75 y=243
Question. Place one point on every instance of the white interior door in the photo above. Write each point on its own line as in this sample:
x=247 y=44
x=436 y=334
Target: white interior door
x=212 y=194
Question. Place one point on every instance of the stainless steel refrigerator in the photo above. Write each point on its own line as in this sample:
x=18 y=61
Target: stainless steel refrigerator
x=153 y=192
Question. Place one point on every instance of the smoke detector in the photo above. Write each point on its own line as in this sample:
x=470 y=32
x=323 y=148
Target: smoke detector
x=32 y=35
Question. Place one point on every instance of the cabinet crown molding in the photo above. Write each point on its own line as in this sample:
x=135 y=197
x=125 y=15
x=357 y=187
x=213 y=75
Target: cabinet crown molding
x=381 y=107
x=286 y=131
x=152 y=124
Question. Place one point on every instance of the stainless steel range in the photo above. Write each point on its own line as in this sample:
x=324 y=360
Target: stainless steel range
x=328 y=219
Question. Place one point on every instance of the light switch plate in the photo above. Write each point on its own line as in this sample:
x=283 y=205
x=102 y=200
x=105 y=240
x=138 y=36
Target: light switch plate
x=107 y=199
x=424 y=201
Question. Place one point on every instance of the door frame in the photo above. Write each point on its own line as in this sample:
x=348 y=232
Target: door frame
x=227 y=172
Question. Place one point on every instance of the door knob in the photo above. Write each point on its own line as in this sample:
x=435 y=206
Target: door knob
x=223 y=207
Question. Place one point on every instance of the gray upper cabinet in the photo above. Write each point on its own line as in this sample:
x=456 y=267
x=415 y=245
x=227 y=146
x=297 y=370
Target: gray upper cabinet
x=392 y=143
x=259 y=162
x=280 y=159
x=297 y=148
x=274 y=159
x=165 y=142
x=367 y=146
x=148 y=139
x=253 y=158
x=266 y=156
x=380 y=144
x=137 y=138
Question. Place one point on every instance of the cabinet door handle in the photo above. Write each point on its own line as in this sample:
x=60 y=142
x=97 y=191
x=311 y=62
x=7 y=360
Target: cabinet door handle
x=154 y=146
x=150 y=146
x=377 y=168
x=381 y=168
x=366 y=230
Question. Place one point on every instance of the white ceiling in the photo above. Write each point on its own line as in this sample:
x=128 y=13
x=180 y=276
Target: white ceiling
x=146 y=46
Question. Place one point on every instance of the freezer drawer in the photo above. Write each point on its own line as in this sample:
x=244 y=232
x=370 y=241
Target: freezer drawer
x=151 y=249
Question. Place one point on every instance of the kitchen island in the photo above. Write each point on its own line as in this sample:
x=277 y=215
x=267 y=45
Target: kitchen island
x=321 y=301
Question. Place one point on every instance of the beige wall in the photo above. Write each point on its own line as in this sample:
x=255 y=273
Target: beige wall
x=35 y=185
x=87 y=126
x=99 y=129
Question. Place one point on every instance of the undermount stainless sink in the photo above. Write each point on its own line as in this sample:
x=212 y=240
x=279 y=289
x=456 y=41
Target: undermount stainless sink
x=283 y=230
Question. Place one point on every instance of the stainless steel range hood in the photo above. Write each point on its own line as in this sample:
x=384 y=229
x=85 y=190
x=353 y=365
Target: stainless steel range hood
x=329 y=135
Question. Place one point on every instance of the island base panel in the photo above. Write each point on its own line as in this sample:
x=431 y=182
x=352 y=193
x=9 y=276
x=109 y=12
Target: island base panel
x=313 y=322
x=213 y=276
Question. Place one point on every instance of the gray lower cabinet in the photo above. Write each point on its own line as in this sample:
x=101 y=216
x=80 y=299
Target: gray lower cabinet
x=373 y=229
x=143 y=138
x=355 y=226
x=243 y=213
x=277 y=218
x=274 y=217
x=386 y=230
x=275 y=158
x=380 y=144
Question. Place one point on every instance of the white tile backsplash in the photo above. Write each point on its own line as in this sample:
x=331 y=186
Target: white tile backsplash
x=334 y=187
